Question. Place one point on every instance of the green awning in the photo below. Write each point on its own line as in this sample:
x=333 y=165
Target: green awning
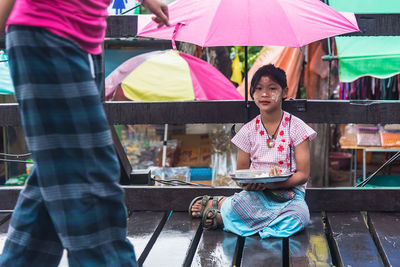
x=377 y=56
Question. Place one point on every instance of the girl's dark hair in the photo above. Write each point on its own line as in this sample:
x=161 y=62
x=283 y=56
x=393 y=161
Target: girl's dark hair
x=278 y=75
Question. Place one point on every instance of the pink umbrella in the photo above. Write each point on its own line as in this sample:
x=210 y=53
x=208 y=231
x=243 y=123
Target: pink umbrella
x=292 y=23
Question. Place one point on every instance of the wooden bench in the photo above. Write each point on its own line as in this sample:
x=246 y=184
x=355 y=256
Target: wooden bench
x=349 y=227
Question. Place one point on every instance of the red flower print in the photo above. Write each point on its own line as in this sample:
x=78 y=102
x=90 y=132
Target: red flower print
x=280 y=170
x=287 y=119
x=288 y=163
x=280 y=162
x=257 y=121
x=283 y=140
x=261 y=132
x=290 y=143
x=281 y=133
x=280 y=148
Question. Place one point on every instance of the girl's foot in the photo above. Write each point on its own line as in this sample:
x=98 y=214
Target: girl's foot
x=208 y=221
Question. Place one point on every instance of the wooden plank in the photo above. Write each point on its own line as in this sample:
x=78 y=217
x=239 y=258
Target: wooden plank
x=262 y=252
x=175 y=198
x=143 y=228
x=352 y=199
x=310 y=247
x=352 y=242
x=174 y=244
x=182 y=112
x=383 y=24
x=385 y=229
x=318 y=199
x=138 y=44
x=216 y=248
x=155 y=198
x=121 y=26
x=9 y=196
x=9 y=115
x=311 y=111
x=370 y=25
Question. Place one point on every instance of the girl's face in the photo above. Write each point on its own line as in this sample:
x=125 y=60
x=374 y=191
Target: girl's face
x=268 y=94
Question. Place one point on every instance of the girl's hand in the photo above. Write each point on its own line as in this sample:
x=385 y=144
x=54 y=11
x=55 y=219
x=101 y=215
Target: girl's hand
x=253 y=187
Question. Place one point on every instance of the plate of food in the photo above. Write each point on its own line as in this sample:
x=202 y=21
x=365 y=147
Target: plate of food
x=260 y=176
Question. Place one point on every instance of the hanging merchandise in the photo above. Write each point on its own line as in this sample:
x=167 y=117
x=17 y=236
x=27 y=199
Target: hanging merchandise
x=370 y=88
x=236 y=70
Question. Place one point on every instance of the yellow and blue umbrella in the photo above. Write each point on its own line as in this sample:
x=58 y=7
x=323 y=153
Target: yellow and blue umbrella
x=169 y=75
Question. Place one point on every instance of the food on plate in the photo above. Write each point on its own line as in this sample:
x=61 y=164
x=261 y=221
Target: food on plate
x=274 y=171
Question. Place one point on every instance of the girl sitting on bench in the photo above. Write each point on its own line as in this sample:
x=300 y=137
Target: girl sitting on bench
x=274 y=141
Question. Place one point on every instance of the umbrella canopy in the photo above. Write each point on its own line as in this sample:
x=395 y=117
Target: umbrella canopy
x=169 y=75
x=6 y=86
x=291 y=23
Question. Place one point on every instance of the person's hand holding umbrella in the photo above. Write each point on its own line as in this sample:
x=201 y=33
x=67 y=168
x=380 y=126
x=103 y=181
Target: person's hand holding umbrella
x=159 y=9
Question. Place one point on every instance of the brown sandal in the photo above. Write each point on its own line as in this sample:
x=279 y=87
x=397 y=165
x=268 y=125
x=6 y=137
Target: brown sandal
x=214 y=212
x=204 y=201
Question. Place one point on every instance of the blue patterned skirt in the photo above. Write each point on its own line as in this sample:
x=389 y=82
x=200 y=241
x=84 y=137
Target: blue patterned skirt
x=251 y=212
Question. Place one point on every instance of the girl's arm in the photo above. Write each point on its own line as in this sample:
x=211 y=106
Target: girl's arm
x=5 y=9
x=302 y=156
x=243 y=160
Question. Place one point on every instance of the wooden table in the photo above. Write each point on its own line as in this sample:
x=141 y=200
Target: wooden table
x=349 y=227
x=365 y=149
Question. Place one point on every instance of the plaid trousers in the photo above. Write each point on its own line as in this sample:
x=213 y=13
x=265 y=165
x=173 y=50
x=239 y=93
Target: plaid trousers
x=72 y=199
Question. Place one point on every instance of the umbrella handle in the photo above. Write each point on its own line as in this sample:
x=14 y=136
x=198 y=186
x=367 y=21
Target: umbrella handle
x=177 y=27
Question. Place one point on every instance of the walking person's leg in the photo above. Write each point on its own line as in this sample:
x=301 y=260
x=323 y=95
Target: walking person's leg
x=69 y=137
x=32 y=239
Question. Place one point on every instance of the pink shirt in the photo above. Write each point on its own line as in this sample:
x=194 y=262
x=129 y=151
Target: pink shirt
x=83 y=21
x=252 y=138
